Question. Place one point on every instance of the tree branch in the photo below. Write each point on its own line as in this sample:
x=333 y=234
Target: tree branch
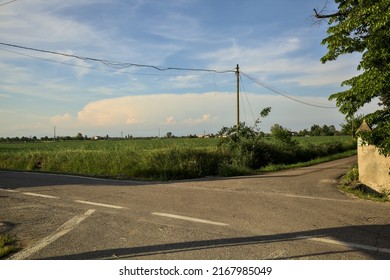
x=320 y=16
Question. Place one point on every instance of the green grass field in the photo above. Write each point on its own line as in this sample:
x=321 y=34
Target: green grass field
x=150 y=159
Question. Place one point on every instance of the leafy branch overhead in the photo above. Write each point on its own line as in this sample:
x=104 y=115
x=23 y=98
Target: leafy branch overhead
x=363 y=26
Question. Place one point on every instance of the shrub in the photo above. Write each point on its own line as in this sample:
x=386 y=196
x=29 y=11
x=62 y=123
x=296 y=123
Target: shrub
x=251 y=150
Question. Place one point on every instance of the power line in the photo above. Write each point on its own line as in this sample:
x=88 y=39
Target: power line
x=7 y=3
x=284 y=94
x=115 y=64
x=122 y=65
x=83 y=66
x=247 y=100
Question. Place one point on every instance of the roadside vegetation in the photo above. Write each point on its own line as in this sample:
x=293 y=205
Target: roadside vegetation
x=349 y=183
x=7 y=246
x=235 y=152
x=250 y=150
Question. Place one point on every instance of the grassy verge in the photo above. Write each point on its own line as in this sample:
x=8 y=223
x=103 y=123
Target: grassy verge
x=278 y=167
x=7 y=246
x=349 y=183
x=169 y=159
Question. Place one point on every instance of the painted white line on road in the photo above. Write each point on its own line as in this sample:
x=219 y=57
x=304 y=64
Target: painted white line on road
x=8 y=190
x=100 y=204
x=40 y=195
x=319 y=198
x=61 y=231
x=196 y=220
x=347 y=244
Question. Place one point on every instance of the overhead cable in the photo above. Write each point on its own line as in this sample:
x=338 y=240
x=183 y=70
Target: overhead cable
x=3 y=4
x=83 y=66
x=115 y=64
x=284 y=94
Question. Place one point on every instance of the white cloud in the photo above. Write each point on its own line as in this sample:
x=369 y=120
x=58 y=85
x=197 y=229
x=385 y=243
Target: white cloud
x=56 y=24
x=188 y=81
x=176 y=26
x=108 y=112
x=170 y=120
x=148 y=32
x=203 y=119
x=62 y=118
x=39 y=22
x=255 y=58
x=192 y=112
x=147 y=109
x=284 y=56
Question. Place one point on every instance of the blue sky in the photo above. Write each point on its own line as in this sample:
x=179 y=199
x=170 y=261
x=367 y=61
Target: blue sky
x=273 y=41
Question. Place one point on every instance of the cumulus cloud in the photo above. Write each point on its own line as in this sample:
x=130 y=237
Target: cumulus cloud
x=145 y=109
x=61 y=118
x=194 y=112
x=202 y=119
x=106 y=112
x=170 y=120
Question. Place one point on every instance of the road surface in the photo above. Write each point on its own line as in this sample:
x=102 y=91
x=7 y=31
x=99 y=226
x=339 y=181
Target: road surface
x=294 y=214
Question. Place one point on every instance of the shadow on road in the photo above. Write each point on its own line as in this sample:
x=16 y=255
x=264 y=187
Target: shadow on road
x=15 y=179
x=346 y=239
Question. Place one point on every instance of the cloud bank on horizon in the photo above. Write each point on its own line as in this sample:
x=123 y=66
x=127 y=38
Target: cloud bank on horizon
x=273 y=41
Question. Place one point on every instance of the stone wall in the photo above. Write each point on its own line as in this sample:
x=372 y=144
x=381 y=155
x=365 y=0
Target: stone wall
x=373 y=168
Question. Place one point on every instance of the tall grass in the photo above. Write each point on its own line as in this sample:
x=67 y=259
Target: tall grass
x=7 y=245
x=146 y=159
x=159 y=159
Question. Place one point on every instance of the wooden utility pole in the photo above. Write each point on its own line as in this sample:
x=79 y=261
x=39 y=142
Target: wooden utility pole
x=238 y=97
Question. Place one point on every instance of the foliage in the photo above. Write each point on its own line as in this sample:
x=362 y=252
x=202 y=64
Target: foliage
x=167 y=158
x=351 y=125
x=249 y=149
x=364 y=26
x=282 y=134
x=349 y=183
x=161 y=159
x=7 y=245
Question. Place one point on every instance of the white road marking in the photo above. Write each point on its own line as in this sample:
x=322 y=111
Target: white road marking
x=100 y=204
x=61 y=231
x=40 y=195
x=196 y=220
x=319 y=198
x=346 y=244
x=8 y=190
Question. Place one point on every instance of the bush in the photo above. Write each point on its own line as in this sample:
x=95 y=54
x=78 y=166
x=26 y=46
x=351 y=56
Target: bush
x=177 y=163
x=251 y=150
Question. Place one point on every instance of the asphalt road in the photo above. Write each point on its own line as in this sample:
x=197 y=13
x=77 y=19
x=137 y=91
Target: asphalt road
x=294 y=214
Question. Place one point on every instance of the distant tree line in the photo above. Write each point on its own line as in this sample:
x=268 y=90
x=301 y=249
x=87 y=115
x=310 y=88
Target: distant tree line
x=278 y=131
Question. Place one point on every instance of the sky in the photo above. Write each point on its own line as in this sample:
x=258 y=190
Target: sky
x=276 y=43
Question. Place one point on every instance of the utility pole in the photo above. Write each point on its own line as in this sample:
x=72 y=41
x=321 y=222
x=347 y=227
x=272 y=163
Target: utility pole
x=238 y=97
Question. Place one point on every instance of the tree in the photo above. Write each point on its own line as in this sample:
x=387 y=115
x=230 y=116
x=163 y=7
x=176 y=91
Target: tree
x=282 y=134
x=315 y=130
x=363 y=26
x=351 y=125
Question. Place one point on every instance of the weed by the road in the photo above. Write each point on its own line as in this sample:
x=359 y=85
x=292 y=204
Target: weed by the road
x=349 y=183
x=169 y=159
x=278 y=167
x=7 y=245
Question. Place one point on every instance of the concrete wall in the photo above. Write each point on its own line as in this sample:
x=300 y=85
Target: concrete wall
x=373 y=168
